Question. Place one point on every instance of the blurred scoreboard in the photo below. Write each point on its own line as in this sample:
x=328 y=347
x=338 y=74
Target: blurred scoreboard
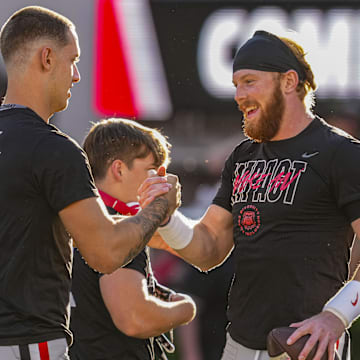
x=198 y=41
x=171 y=55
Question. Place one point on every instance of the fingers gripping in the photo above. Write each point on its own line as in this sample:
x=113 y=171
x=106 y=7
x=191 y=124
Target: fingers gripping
x=152 y=187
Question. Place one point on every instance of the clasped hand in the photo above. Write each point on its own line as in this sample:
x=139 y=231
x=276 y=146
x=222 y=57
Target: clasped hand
x=160 y=184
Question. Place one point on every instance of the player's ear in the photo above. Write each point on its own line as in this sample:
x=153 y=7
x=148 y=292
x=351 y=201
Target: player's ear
x=117 y=168
x=289 y=81
x=47 y=58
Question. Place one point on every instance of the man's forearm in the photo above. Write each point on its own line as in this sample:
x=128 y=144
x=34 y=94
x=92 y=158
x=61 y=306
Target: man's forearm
x=148 y=221
x=204 y=253
x=195 y=243
x=159 y=316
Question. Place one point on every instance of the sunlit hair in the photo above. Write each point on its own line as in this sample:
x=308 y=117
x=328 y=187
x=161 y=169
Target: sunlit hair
x=306 y=88
x=32 y=23
x=126 y=140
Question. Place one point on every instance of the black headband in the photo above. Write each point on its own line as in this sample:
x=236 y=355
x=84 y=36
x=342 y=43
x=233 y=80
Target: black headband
x=266 y=52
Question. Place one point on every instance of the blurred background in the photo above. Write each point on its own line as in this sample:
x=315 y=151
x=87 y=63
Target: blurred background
x=168 y=64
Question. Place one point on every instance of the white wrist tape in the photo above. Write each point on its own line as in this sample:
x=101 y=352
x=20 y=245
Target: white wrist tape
x=178 y=232
x=346 y=303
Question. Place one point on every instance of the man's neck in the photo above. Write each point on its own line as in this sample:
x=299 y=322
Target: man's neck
x=29 y=104
x=110 y=188
x=295 y=119
x=26 y=92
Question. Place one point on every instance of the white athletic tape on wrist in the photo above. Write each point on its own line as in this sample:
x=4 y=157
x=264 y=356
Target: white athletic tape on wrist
x=178 y=232
x=346 y=303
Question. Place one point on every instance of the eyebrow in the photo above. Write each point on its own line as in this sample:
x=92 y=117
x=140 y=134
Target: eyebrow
x=242 y=77
x=246 y=75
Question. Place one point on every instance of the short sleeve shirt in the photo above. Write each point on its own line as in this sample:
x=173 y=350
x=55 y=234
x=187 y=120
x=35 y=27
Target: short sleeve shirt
x=42 y=172
x=292 y=203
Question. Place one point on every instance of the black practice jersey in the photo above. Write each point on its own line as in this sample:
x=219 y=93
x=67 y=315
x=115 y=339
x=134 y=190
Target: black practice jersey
x=292 y=203
x=95 y=335
x=42 y=172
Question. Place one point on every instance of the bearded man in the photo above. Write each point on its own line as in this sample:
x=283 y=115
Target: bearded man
x=289 y=205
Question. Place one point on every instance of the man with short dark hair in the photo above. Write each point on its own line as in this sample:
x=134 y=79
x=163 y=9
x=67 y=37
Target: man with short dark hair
x=117 y=316
x=48 y=193
x=289 y=204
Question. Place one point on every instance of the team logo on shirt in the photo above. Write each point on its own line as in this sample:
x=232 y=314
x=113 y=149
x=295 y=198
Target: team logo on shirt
x=249 y=220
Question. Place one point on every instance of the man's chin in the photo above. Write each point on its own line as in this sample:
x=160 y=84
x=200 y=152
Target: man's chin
x=255 y=135
x=63 y=107
x=262 y=130
x=250 y=131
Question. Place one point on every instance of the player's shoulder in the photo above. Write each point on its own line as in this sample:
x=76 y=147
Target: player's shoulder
x=53 y=148
x=336 y=144
x=332 y=135
x=242 y=150
x=244 y=146
x=54 y=139
x=22 y=121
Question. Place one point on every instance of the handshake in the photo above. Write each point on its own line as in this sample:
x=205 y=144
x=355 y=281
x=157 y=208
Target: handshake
x=160 y=184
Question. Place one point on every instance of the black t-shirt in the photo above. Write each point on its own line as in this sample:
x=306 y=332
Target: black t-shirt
x=292 y=203
x=95 y=335
x=42 y=172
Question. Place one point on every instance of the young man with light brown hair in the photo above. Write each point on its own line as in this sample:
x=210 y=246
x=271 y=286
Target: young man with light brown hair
x=123 y=315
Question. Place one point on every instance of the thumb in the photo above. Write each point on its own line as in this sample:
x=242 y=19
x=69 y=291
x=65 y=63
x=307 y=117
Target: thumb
x=161 y=171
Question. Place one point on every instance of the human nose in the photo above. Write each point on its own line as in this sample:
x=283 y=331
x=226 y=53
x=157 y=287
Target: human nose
x=76 y=75
x=239 y=94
